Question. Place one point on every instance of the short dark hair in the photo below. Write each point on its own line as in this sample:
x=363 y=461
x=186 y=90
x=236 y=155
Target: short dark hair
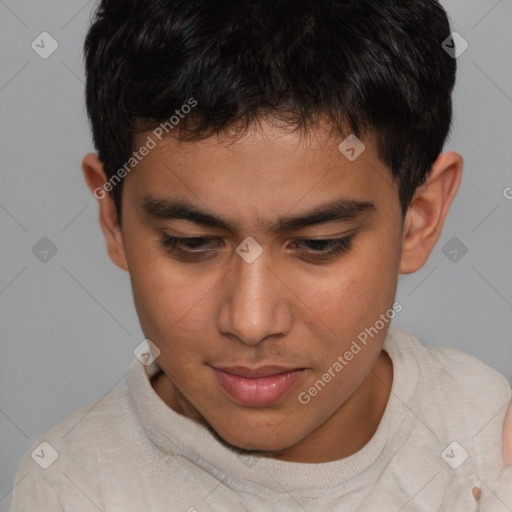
x=374 y=67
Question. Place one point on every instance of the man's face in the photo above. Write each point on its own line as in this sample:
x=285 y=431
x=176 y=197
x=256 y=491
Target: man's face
x=296 y=305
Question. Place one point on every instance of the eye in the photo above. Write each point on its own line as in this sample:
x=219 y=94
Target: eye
x=323 y=249
x=194 y=246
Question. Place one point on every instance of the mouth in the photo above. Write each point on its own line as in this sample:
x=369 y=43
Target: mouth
x=258 y=387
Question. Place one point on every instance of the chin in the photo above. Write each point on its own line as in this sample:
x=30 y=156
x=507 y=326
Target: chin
x=254 y=444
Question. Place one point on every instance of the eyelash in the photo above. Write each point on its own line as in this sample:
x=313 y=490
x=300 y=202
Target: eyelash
x=338 y=246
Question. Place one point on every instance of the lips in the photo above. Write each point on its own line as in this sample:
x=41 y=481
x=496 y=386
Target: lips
x=257 y=387
x=262 y=371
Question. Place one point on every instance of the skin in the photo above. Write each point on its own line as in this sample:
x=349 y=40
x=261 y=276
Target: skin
x=283 y=308
x=507 y=448
x=507 y=438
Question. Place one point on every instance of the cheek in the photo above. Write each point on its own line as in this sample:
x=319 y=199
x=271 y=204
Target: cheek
x=164 y=289
x=167 y=303
x=174 y=305
x=162 y=293
x=351 y=298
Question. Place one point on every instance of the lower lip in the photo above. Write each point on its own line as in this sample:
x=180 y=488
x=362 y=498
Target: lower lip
x=257 y=392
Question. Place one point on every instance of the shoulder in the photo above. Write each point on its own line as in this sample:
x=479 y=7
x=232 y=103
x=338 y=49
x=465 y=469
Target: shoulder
x=451 y=376
x=458 y=397
x=69 y=455
x=89 y=429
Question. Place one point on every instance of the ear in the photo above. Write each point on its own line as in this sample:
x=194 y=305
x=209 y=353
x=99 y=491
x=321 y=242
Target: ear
x=95 y=178
x=427 y=212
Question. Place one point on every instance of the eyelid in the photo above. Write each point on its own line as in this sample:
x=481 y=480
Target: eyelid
x=341 y=234
x=335 y=236
x=177 y=239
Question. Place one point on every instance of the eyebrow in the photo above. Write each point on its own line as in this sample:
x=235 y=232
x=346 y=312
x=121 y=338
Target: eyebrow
x=343 y=209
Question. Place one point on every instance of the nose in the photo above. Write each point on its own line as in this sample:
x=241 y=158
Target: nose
x=254 y=304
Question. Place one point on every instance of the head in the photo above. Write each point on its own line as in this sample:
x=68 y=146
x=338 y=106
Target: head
x=286 y=122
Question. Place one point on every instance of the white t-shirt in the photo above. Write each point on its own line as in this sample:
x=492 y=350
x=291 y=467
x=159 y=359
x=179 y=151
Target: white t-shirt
x=440 y=435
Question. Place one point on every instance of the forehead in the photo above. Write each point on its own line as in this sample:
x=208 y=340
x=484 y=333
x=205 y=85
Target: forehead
x=265 y=173
x=265 y=149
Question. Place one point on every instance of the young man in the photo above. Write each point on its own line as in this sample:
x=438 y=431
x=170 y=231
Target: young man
x=265 y=171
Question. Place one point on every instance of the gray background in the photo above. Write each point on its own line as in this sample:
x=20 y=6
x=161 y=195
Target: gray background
x=68 y=325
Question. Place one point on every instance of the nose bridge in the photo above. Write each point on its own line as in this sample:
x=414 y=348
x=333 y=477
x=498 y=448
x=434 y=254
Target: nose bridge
x=253 y=305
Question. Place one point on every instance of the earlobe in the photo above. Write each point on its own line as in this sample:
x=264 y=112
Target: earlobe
x=95 y=177
x=428 y=210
